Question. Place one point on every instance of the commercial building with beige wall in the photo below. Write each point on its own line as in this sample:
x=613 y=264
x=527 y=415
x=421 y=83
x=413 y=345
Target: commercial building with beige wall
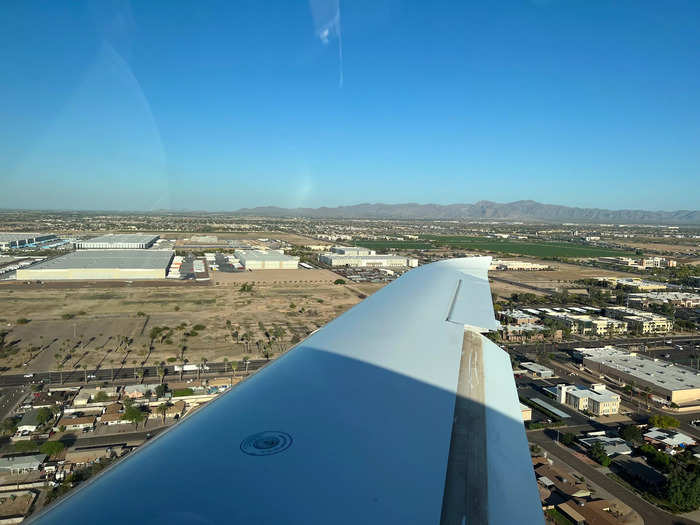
x=675 y=383
x=85 y=265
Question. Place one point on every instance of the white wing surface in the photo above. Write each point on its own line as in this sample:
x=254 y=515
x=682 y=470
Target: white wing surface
x=398 y=411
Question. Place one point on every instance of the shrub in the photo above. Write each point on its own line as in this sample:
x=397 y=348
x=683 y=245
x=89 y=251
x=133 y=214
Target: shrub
x=339 y=281
x=23 y=320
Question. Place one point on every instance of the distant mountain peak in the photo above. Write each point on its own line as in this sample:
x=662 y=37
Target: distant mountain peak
x=524 y=210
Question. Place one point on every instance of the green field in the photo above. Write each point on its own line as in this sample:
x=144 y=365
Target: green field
x=531 y=248
x=398 y=245
x=535 y=249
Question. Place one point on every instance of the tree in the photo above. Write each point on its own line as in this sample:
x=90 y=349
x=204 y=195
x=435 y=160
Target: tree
x=161 y=390
x=161 y=372
x=139 y=374
x=134 y=415
x=101 y=396
x=163 y=409
x=597 y=452
x=683 y=489
x=225 y=364
x=43 y=415
x=52 y=448
x=9 y=425
x=663 y=421
x=84 y=367
x=568 y=439
x=631 y=433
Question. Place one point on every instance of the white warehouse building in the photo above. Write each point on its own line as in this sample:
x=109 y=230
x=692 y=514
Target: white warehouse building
x=266 y=260
x=123 y=241
x=101 y=265
x=367 y=261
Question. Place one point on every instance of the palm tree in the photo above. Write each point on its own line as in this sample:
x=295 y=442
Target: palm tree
x=183 y=362
x=84 y=367
x=140 y=374
x=60 y=372
x=163 y=409
x=161 y=372
x=225 y=363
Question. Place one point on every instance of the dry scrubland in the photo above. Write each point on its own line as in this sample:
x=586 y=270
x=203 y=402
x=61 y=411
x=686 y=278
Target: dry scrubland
x=84 y=326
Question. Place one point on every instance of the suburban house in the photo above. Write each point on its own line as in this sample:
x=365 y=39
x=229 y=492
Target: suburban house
x=77 y=423
x=554 y=479
x=20 y=464
x=29 y=421
x=114 y=408
x=138 y=391
x=668 y=438
x=614 y=446
x=113 y=419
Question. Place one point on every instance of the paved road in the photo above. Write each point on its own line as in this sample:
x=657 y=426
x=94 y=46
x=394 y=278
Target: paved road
x=546 y=291
x=115 y=374
x=651 y=514
x=9 y=400
x=116 y=439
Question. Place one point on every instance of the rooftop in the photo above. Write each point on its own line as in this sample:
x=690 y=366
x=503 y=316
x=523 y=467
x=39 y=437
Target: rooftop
x=129 y=259
x=262 y=255
x=660 y=373
x=121 y=238
x=535 y=367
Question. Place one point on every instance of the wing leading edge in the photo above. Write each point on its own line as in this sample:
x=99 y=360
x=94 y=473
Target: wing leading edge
x=364 y=421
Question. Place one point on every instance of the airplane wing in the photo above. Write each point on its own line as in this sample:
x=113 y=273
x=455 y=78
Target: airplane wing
x=398 y=411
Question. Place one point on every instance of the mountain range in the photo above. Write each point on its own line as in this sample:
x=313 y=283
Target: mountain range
x=526 y=210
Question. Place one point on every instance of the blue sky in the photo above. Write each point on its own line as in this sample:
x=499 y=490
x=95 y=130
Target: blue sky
x=222 y=105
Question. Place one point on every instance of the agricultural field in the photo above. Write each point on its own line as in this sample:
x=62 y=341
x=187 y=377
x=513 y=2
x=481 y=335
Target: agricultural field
x=71 y=328
x=381 y=246
x=531 y=248
x=484 y=244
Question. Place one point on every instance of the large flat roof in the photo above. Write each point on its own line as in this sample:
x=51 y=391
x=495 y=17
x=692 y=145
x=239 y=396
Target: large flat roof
x=119 y=238
x=260 y=255
x=129 y=259
x=8 y=237
x=663 y=374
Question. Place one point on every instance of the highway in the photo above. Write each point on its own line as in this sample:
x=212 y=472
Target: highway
x=652 y=515
x=118 y=374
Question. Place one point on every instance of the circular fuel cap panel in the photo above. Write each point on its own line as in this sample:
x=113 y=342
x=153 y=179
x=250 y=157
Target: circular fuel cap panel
x=266 y=443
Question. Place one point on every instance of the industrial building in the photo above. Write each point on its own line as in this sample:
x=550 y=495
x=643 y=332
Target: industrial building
x=675 y=383
x=9 y=241
x=266 y=260
x=367 y=261
x=640 y=321
x=538 y=370
x=597 y=400
x=122 y=241
x=352 y=250
x=101 y=265
x=633 y=283
x=517 y=266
